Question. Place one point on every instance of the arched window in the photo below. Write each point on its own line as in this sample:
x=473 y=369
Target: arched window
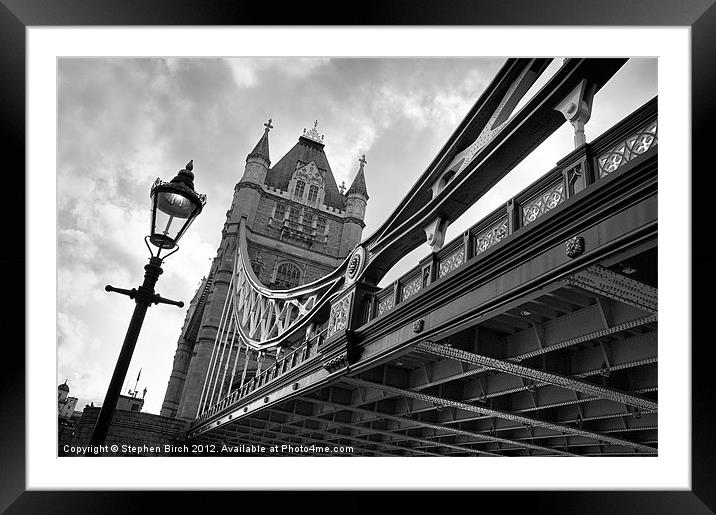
x=299 y=190
x=312 y=194
x=293 y=214
x=287 y=276
x=307 y=217
x=280 y=212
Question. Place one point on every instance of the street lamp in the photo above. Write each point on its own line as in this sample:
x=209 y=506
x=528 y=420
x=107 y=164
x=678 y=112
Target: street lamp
x=175 y=205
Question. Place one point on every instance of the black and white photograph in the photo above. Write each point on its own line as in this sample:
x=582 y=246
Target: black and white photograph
x=377 y=257
x=268 y=259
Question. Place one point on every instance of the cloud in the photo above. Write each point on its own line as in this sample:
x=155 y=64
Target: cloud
x=247 y=71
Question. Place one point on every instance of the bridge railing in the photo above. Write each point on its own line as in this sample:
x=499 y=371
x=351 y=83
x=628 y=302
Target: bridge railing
x=287 y=362
x=592 y=162
x=308 y=350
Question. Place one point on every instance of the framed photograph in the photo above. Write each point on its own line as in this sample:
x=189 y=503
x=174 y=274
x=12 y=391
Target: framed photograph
x=438 y=234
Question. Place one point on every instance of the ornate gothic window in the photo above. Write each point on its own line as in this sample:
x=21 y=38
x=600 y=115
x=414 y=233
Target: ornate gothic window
x=312 y=194
x=280 y=212
x=321 y=225
x=307 y=218
x=287 y=276
x=293 y=215
x=299 y=190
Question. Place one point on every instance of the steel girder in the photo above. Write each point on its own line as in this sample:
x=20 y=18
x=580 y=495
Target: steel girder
x=308 y=430
x=603 y=281
x=532 y=422
x=533 y=374
x=547 y=348
x=492 y=431
x=388 y=433
x=437 y=427
x=431 y=406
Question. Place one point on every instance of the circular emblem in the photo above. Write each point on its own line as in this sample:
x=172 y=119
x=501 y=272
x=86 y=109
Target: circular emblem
x=355 y=265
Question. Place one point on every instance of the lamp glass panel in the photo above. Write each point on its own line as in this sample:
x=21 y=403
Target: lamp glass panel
x=172 y=214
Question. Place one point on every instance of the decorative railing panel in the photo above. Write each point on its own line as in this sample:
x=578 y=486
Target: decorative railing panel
x=411 y=287
x=491 y=236
x=626 y=150
x=451 y=262
x=386 y=303
x=543 y=202
x=338 y=320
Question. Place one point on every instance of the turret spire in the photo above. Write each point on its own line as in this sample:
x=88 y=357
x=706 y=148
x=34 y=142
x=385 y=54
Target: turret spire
x=358 y=185
x=262 y=147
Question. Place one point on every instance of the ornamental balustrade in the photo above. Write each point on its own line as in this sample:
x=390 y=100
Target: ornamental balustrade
x=624 y=151
x=592 y=162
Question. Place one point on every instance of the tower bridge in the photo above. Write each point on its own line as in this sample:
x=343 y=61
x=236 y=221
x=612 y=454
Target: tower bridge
x=533 y=333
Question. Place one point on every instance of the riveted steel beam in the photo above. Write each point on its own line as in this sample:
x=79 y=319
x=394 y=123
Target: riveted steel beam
x=294 y=419
x=546 y=348
x=603 y=281
x=496 y=413
x=393 y=435
x=534 y=374
x=481 y=438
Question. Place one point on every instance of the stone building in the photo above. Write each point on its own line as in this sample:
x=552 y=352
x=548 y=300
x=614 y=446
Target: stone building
x=67 y=417
x=133 y=432
x=299 y=227
x=65 y=404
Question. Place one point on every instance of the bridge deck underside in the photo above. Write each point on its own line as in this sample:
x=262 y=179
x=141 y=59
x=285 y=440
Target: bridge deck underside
x=572 y=371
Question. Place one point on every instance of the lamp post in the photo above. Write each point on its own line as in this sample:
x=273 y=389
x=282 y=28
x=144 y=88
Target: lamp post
x=175 y=205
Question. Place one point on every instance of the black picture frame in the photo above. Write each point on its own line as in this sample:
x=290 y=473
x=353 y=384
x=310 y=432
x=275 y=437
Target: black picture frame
x=17 y=15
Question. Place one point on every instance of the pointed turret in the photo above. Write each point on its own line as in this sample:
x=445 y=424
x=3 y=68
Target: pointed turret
x=358 y=185
x=247 y=192
x=261 y=150
x=258 y=162
x=356 y=202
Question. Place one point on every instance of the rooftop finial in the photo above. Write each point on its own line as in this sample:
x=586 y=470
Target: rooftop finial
x=268 y=125
x=313 y=133
x=190 y=165
x=362 y=162
x=342 y=187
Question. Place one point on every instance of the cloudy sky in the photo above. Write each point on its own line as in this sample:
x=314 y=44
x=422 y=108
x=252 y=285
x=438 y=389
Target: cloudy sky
x=124 y=122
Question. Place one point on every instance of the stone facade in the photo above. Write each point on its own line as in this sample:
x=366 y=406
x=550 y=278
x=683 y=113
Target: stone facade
x=131 y=428
x=300 y=226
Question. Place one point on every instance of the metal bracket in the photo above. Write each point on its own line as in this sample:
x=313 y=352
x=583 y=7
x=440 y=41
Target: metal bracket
x=141 y=296
x=577 y=109
x=435 y=233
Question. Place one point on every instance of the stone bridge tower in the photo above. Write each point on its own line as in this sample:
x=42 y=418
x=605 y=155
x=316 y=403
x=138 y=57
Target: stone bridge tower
x=301 y=226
